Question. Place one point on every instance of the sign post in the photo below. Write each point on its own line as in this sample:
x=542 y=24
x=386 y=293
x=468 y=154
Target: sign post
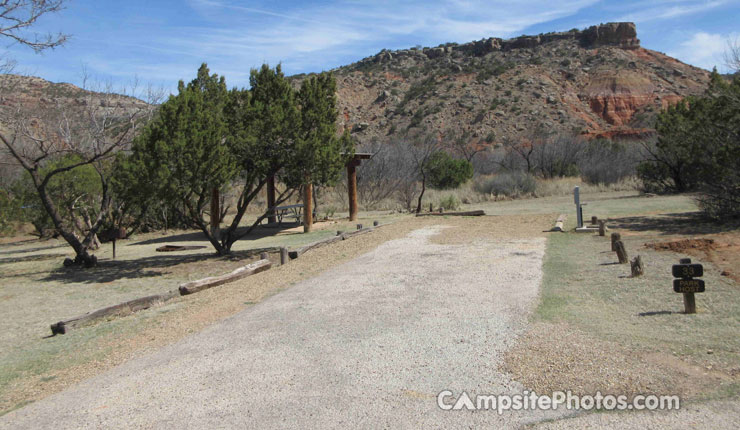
x=579 y=211
x=687 y=285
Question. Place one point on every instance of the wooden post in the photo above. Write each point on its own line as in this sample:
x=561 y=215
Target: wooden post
x=431 y=208
x=263 y=256
x=308 y=208
x=616 y=237
x=271 y=218
x=215 y=212
x=689 y=303
x=375 y=223
x=636 y=267
x=114 y=249
x=359 y=226
x=594 y=220
x=621 y=253
x=602 y=227
x=283 y=255
x=352 y=189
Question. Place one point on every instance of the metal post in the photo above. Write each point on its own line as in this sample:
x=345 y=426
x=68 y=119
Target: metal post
x=579 y=209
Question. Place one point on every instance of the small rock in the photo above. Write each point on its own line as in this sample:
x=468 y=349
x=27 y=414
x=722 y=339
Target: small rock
x=709 y=351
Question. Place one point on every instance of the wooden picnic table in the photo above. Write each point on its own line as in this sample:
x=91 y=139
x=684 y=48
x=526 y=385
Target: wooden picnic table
x=289 y=211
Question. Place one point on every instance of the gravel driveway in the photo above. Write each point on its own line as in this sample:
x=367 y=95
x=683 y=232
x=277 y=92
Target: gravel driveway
x=366 y=344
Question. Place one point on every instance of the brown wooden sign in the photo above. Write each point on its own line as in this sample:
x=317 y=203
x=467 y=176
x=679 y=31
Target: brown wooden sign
x=687 y=271
x=688 y=285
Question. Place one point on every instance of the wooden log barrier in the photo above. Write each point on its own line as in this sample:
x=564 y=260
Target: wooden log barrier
x=120 y=309
x=559 y=223
x=340 y=236
x=621 y=252
x=469 y=213
x=283 y=255
x=242 y=272
x=616 y=237
x=602 y=227
x=636 y=267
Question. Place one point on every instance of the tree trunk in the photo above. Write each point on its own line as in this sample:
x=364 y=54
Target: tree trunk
x=271 y=219
x=421 y=195
x=307 y=208
x=82 y=257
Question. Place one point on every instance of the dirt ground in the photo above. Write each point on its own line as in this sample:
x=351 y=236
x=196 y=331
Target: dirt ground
x=722 y=250
x=108 y=344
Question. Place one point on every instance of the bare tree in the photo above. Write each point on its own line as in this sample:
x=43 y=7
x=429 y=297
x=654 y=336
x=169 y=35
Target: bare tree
x=558 y=155
x=87 y=133
x=732 y=55
x=465 y=144
x=422 y=147
x=18 y=16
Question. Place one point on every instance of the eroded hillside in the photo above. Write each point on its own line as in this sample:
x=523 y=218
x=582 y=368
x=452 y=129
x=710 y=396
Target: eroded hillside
x=596 y=82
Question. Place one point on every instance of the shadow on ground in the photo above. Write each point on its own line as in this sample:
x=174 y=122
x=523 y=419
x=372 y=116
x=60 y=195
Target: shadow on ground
x=197 y=236
x=686 y=223
x=111 y=270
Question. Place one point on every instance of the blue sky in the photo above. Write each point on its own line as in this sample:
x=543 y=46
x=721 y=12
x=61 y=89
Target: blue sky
x=162 y=41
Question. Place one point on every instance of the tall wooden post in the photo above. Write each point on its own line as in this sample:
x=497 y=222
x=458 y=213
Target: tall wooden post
x=307 y=208
x=352 y=189
x=215 y=212
x=271 y=218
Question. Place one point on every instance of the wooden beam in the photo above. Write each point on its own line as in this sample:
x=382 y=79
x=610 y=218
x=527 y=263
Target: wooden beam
x=559 y=223
x=121 y=309
x=214 y=281
x=340 y=236
x=469 y=213
x=352 y=190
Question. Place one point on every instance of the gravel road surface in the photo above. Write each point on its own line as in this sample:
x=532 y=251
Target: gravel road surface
x=367 y=344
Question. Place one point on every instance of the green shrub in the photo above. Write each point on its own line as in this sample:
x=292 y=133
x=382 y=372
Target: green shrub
x=446 y=172
x=449 y=202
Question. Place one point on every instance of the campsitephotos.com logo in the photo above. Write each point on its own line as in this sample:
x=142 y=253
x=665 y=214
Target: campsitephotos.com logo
x=529 y=400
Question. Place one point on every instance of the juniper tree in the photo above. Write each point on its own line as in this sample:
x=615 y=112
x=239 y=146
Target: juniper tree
x=319 y=154
x=182 y=154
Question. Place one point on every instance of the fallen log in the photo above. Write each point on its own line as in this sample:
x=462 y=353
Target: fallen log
x=297 y=252
x=559 y=223
x=122 y=309
x=469 y=213
x=340 y=236
x=242 y=272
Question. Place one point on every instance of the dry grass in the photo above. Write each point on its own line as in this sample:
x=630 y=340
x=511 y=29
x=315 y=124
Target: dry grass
x=36 y=291
x=596 y=328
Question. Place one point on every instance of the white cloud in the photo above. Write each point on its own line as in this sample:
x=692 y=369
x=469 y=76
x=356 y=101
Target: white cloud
x=668 y=9
x=704 y=50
